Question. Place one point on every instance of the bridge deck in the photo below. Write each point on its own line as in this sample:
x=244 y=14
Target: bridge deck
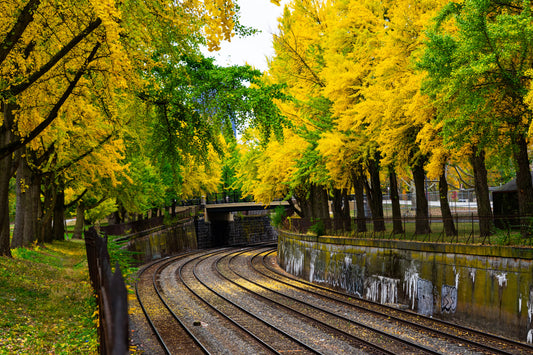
x=243 y=206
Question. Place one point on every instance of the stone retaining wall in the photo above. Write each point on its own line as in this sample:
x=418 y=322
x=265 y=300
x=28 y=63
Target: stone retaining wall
x=196 y=233
x=481 y=286
x=250 y=229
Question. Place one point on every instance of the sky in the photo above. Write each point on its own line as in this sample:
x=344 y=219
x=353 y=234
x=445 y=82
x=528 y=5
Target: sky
x=252 y=50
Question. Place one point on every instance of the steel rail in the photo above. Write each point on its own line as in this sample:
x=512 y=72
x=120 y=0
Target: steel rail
x=351 y=321
x=331 y=328
x=262 y=342
x=471 y=331
x=163 y=262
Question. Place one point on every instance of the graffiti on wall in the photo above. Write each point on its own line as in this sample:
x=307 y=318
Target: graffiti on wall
x=448 y=300
x=424 y=297
x=382 y=289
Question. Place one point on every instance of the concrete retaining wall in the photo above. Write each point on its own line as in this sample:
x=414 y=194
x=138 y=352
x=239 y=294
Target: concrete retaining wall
x=179 y=237
x=198 y=234
x=485 y=287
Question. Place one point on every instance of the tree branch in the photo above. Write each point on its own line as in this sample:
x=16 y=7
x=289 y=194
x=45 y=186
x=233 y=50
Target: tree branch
x=88 y=152
x=13 y=36
x=17 y=89
x=299 y=58
x=77 y=199
x=20 y=142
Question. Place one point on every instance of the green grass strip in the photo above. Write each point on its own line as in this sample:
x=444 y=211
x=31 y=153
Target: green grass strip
x=46 y=301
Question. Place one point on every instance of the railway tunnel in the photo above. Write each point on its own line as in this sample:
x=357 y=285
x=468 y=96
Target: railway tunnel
x=233 y=224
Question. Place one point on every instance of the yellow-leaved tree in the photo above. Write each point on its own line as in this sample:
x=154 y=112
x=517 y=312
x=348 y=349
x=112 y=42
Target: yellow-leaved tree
x=352 y=42
x=297 y=64
x=391 y=106
x=94 y=50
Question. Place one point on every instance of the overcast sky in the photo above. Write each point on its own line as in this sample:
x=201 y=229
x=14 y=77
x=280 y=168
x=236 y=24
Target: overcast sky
x=252 y=50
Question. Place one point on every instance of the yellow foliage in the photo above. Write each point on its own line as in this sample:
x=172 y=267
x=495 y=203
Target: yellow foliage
x=201 y=178
x=266 y=173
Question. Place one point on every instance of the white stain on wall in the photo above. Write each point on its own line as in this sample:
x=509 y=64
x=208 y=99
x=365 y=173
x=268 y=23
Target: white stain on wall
x=312 y=267
x=410 y=285
x=382 y=289
x=529 y=315
x=472 y=273
x=502 y=278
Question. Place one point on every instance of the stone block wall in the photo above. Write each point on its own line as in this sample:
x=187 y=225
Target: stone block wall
x=486 y=287
x=250 y=229
x=203 y=233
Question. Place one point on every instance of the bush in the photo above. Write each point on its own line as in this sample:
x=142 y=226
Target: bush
x=317 y=227
x=278 y=216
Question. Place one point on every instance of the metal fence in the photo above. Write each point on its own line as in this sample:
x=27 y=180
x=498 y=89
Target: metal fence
x=462 y=202
x=466 y=227
x=150 y=224
x=111 y=295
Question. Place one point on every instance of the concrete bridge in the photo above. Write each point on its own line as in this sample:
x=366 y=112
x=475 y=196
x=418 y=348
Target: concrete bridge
x=224 y=211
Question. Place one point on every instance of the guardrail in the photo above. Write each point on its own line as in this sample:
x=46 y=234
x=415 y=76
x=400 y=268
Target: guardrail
x=111 y=295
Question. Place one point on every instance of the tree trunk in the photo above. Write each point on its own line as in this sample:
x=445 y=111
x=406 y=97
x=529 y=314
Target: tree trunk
x=484 y=210
x=397 y=227
x=422 y=210
x=80 y=221
x=28 y=207
x=341 y=210
x=346 y=211
x=338 y=216
x=33 y=209
x=524 y=185
x=374 y=195
x=447 y=218
x=5 y=176
x=320 y=204
x=21 y=190
x=58 y=230
x=358 y=186
x=45 y=223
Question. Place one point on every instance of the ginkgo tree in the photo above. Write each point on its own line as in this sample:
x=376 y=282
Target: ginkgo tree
x=297 y=64
x=393 y=106
x=351 y=43
x=478 y=58
x=48 y=50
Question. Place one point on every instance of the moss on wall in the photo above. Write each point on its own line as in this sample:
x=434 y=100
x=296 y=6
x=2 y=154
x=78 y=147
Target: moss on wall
x=481 y=286
x=179 y=237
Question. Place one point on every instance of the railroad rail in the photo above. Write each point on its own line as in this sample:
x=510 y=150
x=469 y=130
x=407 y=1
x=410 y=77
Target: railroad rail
x=262 y=263
x=171 y=333
x=233 y=300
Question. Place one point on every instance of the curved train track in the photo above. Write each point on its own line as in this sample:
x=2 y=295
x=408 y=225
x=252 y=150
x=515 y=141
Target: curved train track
x=237 y=301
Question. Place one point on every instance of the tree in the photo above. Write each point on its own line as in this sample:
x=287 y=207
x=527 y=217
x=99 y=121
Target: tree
x=393 y=107
x=297 y=64
x=73 y=42
x=478 y=56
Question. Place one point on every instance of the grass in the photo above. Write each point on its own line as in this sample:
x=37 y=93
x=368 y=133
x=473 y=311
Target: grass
x=46 y=301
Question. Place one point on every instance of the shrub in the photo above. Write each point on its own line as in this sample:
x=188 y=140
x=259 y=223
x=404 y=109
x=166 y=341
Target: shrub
x=278 y=216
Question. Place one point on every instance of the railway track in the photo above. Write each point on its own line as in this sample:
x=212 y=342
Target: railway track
x=235 y=301
x=172 y=335
x=263 y=264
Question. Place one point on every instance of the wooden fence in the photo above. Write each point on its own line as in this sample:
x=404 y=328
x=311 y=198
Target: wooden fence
x=111 y=295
